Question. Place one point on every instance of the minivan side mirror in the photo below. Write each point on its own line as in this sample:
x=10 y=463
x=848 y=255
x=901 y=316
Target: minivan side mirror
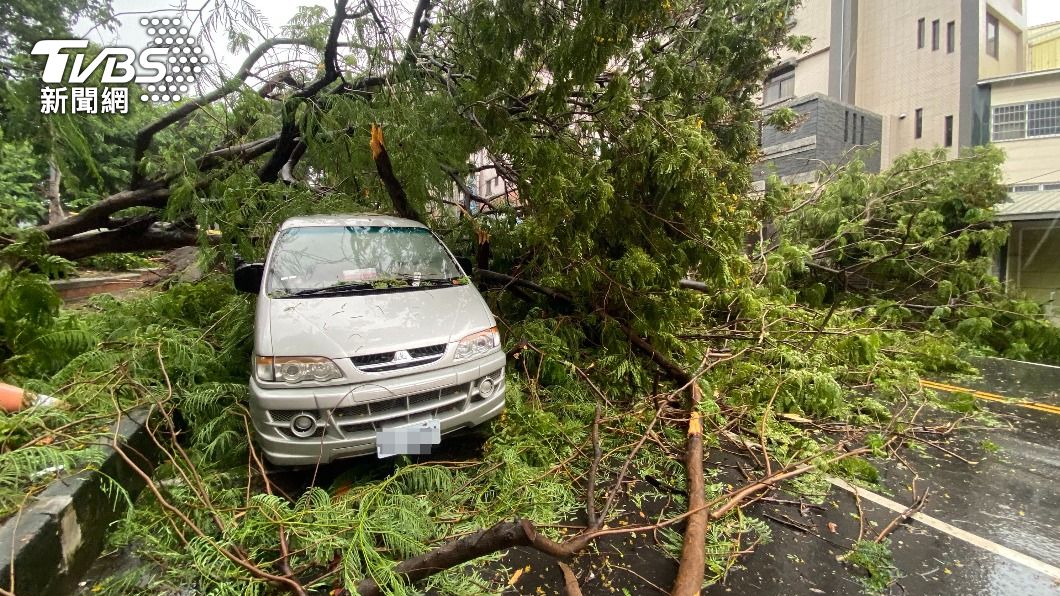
x=248 y=276
x=465 y=264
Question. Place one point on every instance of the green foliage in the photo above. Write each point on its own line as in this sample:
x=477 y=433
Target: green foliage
x=20 y=173
x=724 y=537
x=34 y=337
x=990 y=446
x=961 y=402
x=856 y=468
x=632 y=162
x=116 y=262
x=99 y=363
x=912 y=246
x=91 y=152
x=875 y=559
x=25 y=22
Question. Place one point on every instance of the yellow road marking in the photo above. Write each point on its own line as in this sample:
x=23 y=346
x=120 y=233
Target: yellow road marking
x=1023 y=403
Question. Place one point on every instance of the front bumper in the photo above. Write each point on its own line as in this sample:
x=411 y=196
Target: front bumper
x=348 y=416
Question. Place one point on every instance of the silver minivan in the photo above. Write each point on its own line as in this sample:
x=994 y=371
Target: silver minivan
x=368 y=337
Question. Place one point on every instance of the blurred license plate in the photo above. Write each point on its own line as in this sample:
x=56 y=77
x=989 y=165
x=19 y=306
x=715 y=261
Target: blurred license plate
x=410 y=439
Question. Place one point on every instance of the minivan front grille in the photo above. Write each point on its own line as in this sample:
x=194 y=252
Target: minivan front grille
x=374 y=415
x=437 y=350
x=372 y=359
x=385 y=361
x=362 y=420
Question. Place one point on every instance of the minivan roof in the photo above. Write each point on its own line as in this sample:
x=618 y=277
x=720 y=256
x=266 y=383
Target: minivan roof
x=350 y=219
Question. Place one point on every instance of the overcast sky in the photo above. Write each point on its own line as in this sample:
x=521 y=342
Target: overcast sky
x=1042 y=11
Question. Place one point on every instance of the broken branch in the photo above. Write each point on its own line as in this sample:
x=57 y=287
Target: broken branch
x=690 y=572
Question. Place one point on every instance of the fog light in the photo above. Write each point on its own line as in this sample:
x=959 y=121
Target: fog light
x=486 y=387
x=303 y=425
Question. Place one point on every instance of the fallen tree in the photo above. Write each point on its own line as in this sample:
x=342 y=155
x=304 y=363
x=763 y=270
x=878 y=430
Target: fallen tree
x=625 y=132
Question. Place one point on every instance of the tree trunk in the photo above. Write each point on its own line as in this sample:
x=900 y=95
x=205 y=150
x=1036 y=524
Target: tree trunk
x=55 y=205
x=690 y=573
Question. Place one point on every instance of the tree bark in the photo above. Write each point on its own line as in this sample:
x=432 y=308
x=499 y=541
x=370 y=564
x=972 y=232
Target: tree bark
x=55 y=205
x=570 y=581
x=500 y=536
x=390 y=181
x=690 y=572
x=136 y=236
x=98 y=215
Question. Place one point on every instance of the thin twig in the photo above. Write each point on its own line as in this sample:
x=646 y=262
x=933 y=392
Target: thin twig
x=597 y=454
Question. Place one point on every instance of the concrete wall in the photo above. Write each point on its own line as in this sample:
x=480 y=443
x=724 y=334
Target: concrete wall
x=812 y=19
x=896 y=77
x=1025 y=89
x=865 y=53
x=1034 y=159
x=1031 y=160
x=825 y=136
x=1012 y=50
x=1033 y=267
x=811 y=75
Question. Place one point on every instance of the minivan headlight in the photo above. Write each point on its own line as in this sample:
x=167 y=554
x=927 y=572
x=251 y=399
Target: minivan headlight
x=477 y=344
x=295 y=369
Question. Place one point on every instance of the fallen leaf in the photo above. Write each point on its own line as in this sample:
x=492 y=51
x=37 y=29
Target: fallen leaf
x=518 y=573
x=832 y=527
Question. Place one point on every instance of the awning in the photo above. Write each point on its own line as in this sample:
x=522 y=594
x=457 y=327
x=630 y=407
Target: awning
x=1024 y=206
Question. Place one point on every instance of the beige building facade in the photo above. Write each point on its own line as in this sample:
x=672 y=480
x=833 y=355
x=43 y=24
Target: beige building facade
x=1025 y=124
x=916 y=63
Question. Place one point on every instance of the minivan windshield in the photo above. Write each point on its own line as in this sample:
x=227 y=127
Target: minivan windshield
x=335 y=259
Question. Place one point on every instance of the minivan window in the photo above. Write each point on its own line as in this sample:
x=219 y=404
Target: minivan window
x=310 y=260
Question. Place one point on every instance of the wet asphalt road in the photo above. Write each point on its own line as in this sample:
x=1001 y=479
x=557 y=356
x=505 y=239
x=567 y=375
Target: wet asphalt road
x=1001 y=485
x=1008 y=498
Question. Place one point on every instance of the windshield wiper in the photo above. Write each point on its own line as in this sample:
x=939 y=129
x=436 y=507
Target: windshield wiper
x=407 y=281
x=335 y=290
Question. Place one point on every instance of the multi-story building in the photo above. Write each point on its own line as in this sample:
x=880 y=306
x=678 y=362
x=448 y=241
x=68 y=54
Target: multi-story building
x=914 y=63
x=936 y=73
x=484 y=188
x=1025 y=123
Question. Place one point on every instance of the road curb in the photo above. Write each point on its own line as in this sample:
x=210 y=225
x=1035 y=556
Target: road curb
x=79 y=288
x=52 y=542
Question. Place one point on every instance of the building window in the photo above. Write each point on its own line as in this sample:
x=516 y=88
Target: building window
x=846 y=126
x=862 y=141
x=854 y=130
x=992 y=42
x=951 y=37
x=1043 y=118
x=779 y=86
x=935 y=35
x=1009 y=122
x=919 y=123
x=920 y=32
x=948 y=135
x=1025 y=120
